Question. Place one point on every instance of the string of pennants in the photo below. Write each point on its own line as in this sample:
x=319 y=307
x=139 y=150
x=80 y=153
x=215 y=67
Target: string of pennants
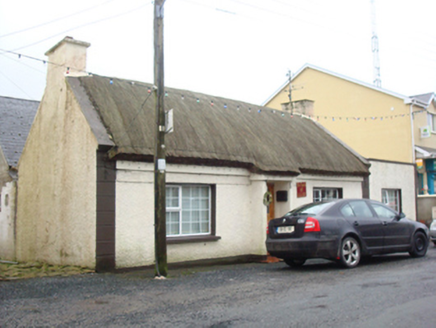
x=245 y=106
x=222 y=104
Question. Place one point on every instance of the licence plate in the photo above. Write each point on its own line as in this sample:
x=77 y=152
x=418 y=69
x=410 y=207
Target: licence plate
x=285 y=229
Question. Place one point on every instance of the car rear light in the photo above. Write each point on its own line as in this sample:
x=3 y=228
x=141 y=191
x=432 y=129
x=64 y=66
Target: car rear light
x=267 y=229
x=312 y=225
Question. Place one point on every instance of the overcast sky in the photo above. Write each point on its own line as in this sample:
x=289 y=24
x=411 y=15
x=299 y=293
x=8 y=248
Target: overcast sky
x=239 y=49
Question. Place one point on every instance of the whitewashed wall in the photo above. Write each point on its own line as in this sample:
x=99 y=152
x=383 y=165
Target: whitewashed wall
x=240 y=214
x=388 y=175
x=7 y=221
x=351 y=187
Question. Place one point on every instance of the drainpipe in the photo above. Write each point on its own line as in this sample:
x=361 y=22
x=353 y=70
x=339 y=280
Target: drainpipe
x=413 y=132
x=414 y=161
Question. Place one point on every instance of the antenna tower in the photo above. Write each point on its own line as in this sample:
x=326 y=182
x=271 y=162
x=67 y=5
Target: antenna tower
x=374 y=41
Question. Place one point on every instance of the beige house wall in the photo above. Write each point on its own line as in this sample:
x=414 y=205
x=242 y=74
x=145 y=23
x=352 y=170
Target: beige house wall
x=56 y=209
x=337 y=102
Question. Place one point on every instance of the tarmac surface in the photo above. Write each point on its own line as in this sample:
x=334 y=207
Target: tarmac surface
x=394 y=290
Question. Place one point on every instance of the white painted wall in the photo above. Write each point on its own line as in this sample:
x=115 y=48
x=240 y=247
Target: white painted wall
x=7 y=221
x=351 y=187
x=394 y=176
x=240 y=213
x=241 y=216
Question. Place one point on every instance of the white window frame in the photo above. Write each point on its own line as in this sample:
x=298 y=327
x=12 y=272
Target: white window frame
x=431 y=120
x=320 y=194
x=179 y=209
x=392 y=198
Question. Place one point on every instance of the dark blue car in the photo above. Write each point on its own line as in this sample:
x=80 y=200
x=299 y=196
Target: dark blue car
x=344 y=230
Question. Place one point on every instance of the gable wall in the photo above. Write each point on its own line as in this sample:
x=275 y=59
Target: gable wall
x=56 y=217
x=387 y=139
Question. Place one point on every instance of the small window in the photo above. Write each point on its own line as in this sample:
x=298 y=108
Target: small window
x=361 y=209
x=326 y=194
x=392 y=198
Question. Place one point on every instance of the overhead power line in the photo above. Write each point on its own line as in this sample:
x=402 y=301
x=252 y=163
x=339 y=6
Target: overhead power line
x=84 y=25
x=53 y=21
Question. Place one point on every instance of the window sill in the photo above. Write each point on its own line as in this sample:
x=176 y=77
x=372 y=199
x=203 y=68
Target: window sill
x=191 y=239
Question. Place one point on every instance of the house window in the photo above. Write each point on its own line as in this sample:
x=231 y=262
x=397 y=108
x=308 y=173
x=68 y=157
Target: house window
x=431 y=120
x=325 y=194
x=188 y=210
x=392 y=198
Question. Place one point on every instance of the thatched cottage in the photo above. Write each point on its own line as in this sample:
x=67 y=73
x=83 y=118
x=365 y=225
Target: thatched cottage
x=86 y=193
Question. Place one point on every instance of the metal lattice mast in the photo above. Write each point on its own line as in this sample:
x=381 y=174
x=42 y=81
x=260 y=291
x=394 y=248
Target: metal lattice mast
x=375 y=54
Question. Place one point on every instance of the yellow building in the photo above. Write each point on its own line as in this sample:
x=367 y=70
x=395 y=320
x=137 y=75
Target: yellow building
x=375 y=122
x=382 y=126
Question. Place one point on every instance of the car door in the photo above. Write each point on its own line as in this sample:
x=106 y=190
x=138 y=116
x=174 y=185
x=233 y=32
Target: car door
x=366 y=224
x=397 y=232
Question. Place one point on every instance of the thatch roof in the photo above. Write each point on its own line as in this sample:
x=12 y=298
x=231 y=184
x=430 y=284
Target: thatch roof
x=229 y=132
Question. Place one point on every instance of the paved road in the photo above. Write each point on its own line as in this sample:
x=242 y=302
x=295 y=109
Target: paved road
x=393 y=290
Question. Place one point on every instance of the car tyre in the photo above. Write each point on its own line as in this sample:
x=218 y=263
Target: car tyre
x=419 y=245
x=295 y=262
x=350 y=253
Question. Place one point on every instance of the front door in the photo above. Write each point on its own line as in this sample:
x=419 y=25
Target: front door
x=270 y=207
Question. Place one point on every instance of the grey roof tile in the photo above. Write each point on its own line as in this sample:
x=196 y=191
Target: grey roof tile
x=16 y=118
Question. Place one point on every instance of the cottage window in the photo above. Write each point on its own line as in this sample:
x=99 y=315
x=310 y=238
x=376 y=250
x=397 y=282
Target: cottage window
x=392 y=198
x=188 y=210
x=325 y=194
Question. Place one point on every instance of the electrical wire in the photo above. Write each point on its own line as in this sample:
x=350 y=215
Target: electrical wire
x=84 y=25
x=54 y=20
x=16 y=85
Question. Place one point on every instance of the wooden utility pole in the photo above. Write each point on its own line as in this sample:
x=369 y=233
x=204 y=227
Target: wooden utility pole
x=159 y=156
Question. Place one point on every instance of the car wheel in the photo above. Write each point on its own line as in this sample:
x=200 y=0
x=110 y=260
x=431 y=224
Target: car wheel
x=294 y=262
x=350 y=252
x=419 y=245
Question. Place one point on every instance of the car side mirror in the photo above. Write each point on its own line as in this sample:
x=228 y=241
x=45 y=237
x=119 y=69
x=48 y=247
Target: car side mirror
x=400 y=216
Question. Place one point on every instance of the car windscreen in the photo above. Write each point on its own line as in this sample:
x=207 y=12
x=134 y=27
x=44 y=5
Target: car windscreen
x=309 y=209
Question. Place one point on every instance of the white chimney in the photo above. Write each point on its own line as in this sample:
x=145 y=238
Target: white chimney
x=67 y=57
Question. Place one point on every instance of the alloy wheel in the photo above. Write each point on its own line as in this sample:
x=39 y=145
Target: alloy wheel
x=350 y=252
